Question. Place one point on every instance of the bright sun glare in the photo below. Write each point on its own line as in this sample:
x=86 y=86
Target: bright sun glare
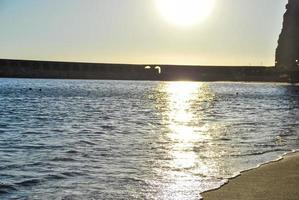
x=185 y=12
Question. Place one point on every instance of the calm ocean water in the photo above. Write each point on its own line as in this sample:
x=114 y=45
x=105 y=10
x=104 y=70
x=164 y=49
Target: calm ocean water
x=74 y=139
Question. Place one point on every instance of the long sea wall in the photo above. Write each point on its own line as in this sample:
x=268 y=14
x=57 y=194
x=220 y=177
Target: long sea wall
x=77 y=70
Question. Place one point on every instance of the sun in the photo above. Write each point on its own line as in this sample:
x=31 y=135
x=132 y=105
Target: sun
x=185 y=12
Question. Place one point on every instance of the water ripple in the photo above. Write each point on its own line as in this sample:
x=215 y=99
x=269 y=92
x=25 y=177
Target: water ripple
x=137 y=140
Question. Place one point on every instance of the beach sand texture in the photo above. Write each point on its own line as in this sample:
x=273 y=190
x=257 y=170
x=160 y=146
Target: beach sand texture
x=273 y=181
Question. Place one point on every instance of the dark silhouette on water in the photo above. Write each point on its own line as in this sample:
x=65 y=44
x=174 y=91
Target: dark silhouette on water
x=285 y=70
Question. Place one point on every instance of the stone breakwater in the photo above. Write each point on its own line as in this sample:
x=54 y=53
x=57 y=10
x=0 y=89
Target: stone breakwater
x=73 y=70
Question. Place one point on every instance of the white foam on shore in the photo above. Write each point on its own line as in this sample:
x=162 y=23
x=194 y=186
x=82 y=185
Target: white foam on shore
x=284 y=155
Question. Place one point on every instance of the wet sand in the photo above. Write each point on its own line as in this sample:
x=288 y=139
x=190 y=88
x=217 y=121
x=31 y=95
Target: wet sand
x=274 y=181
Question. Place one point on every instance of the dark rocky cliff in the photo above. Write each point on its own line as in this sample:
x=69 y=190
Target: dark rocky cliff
x=287 y=52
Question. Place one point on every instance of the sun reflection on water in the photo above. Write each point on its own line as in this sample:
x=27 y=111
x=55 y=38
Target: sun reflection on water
x=181 y=96
x=187 y=133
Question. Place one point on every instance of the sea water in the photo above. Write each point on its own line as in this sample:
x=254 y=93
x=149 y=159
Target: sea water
x=75 y=139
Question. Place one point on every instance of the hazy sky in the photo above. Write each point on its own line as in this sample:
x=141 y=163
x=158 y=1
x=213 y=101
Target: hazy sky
x=238 y=32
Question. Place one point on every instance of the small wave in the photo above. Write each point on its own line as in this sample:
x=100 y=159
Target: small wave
x=107 y=127
x=257 y=153
x=225 y=139
x=72 y=151
x=105 y=118
x=271 y=145
x=103 y=154
x=28 y=182
x=58 y=130
x=6 y=188
x=72 y=174
x=56 y=177
x=3 y=125
x=87 y=142
x=9 y=167
x=31 y=147
x=85 y=155
x=9 y=148
x=63 y=159
x=70 y=197
x=31 y=133
x=99 y=133
x=33 y=164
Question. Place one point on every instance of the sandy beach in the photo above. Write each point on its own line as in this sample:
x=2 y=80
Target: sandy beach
x=276 y=181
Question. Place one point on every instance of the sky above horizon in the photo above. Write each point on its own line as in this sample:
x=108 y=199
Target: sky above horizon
x=237 y=32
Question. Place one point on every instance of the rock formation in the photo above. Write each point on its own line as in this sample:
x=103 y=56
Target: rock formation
x=287 y=52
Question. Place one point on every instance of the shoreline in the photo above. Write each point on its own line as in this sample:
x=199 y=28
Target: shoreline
x=277 y=179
